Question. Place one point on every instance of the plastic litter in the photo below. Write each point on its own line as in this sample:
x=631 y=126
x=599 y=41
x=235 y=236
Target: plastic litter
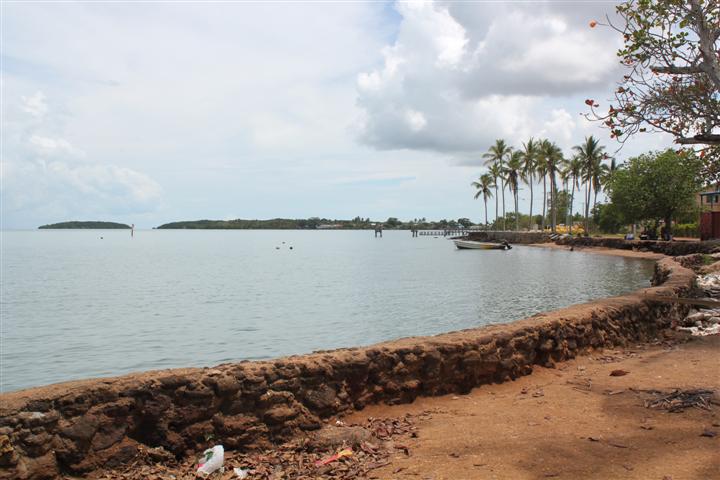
x=240 y=472
x=342 y=453
x=211 y=461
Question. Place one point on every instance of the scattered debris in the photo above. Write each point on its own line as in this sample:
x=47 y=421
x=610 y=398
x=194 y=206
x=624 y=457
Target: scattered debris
x=241 y=473
x=705 y=321
x=296 y=459
x=211 y=461
x=678 y=400
x=614 y=392
x=342 y=453
x=710 y=283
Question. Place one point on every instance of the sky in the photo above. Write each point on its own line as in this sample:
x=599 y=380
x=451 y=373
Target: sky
x=152 y=112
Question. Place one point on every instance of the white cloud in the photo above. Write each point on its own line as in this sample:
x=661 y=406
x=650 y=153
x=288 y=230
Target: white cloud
x=47 y=146
x=476 y=79
x=35 y=104
x=192 y=110
x=415 y=120
x=47 y=174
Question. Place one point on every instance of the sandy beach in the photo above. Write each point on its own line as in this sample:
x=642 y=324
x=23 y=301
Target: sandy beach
x=602 y=251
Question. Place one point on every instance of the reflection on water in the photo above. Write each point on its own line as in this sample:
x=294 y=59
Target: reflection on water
x=76 y=306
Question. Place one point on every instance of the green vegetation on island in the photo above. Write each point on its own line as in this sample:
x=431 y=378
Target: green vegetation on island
x=316 y=223
x=85 y=225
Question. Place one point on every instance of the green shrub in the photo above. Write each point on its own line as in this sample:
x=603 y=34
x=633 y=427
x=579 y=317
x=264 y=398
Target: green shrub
x=686 y=230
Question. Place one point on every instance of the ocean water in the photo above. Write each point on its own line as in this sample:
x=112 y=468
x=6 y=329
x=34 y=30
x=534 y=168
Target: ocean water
x=87 y=303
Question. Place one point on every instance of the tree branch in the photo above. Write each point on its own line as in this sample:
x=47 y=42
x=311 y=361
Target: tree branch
x=708 y=50
x=675 y=70
x=700 y=139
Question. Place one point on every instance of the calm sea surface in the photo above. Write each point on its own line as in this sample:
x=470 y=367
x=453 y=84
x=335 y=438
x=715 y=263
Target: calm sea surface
x=86 y=303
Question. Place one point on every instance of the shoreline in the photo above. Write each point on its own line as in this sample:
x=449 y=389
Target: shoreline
x=614 y=252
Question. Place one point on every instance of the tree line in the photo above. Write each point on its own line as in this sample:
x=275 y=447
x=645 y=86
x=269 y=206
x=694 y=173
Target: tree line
x=314 y=223
x=541 y=161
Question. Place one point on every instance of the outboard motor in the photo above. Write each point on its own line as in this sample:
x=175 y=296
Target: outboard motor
x=507 y=245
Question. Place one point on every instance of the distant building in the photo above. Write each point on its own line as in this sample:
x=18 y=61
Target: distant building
x=709 y=202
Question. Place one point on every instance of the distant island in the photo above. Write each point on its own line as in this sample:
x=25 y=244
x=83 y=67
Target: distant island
x=315 y=223
x=86 y=225
x=271 y=224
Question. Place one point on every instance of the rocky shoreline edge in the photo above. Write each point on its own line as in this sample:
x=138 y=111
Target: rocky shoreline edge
x=80 y=427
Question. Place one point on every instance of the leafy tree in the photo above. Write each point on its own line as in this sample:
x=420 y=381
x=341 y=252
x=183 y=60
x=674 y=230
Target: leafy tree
x=672 y=79
x=392 y=222
x=560 y=202
x=465 y=222
x=608 y=217
x=659 y=185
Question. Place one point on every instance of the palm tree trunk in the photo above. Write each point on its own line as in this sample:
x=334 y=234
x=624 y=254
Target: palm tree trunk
x=595 y=200
x=587 y=207
x=531 y=205
x=485 y=211
x=503 y=203
x=517 y=217
x=553 y=200
x=572 y=201
x=544 y=203
x=497 y=199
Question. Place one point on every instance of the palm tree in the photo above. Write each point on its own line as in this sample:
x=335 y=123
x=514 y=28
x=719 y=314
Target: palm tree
x=541 y=172
x=553 y=158
x=496 y=155
x=574 y=168
x=513 y=174
x=565 y=176
x=495 y=171
x=529 y=160
x=484 y=186
x=590 y=155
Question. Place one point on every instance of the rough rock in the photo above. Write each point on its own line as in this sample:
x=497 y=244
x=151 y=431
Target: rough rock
x=332 y=436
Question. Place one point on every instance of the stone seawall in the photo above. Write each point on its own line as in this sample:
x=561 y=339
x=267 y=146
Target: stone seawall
x=77 y=427
x=673 y=248
x=512 y=237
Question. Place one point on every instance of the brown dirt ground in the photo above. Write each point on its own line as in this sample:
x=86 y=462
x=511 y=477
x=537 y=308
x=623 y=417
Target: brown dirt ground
x=571 y=422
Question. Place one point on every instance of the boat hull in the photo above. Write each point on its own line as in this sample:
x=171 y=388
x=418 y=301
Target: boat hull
x=473 y=245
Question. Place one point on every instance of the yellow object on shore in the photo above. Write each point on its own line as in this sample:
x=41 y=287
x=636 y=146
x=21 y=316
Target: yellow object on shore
x=564 y=229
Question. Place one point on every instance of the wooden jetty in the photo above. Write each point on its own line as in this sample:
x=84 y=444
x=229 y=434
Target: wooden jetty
x=444 y=232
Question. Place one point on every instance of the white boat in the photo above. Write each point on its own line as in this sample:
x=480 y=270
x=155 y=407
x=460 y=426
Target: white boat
x=472 y=244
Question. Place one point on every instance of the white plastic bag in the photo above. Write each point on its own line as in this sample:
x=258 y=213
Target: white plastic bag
x=212 y=461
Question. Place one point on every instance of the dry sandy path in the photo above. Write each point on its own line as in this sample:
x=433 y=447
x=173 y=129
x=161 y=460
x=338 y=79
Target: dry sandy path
x=572 y=422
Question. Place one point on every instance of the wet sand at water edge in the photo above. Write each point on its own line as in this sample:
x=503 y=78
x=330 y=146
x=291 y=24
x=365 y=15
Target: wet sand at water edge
x=603 y=251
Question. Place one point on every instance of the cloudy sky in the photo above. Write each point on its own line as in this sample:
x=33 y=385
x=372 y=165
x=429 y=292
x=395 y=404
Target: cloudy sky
x=154 y=112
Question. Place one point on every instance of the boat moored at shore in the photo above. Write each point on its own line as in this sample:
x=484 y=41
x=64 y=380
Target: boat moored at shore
x=475 y=245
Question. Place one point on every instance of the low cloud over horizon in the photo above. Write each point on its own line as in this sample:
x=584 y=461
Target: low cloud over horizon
x=150 y=113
